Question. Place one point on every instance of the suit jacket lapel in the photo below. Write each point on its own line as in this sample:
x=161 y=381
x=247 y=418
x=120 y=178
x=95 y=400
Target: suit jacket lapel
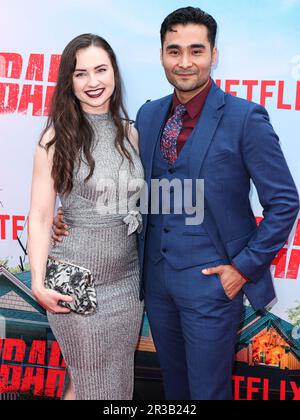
x=203 y=133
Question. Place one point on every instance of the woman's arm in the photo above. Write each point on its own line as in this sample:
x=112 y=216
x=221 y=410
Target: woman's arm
x=43 y=198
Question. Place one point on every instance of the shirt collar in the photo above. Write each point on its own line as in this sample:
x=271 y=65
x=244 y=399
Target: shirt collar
x=196 y=104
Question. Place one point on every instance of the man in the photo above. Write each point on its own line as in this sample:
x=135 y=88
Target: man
x=194 y=277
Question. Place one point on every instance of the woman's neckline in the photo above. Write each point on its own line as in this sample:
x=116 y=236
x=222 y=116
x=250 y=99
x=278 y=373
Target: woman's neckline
x=98 y=117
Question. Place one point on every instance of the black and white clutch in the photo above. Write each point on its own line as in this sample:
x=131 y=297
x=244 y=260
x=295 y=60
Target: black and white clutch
x=72 y=280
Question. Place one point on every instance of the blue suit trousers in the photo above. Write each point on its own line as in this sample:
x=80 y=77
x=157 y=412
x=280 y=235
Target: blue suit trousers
x=194 y=326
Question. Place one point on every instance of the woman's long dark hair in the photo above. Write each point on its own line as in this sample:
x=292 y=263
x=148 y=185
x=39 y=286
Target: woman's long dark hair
x=72 y=131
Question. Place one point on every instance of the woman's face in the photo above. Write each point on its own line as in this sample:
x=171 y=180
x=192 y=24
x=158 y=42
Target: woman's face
x=94 y=80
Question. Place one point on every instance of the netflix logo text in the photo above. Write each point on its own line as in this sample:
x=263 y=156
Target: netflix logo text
x=11 y=226
x=265 y=92
x=250 y=388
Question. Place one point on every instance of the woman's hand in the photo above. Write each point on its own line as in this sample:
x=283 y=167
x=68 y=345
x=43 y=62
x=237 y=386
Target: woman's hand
x=49 y=300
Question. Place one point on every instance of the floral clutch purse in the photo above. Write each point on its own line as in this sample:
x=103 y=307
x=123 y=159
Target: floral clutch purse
x=72 y=280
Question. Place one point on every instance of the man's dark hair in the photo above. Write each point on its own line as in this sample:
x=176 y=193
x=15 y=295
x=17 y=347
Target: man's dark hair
x=187 y=15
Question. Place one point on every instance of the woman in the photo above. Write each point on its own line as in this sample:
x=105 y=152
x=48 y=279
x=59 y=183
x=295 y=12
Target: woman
x=85 y=142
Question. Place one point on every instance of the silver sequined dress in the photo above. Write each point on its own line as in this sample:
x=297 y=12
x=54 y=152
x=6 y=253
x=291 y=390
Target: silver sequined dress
x=99 y=349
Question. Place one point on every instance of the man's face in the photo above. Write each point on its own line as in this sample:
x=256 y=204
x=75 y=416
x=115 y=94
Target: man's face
x=187 y=57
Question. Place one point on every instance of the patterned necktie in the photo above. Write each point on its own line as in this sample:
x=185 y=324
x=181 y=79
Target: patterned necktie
x=171 y=134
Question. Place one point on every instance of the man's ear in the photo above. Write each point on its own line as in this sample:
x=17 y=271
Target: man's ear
x=215 y=56
x=161 y=56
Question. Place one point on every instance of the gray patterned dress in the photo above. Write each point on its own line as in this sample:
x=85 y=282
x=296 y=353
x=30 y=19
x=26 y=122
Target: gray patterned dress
x=99 y=349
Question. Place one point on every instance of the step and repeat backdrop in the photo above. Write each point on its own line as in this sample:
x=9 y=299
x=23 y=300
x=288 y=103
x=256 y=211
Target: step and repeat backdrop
x=259 y=60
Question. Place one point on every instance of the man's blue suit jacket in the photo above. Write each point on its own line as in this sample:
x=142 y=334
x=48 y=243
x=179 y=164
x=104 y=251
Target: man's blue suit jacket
x=233 y=143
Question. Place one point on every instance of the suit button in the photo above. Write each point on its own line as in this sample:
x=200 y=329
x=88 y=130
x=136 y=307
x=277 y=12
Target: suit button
x=142 y=238
x=165 y=250
x=167 y=230
x=171 y=171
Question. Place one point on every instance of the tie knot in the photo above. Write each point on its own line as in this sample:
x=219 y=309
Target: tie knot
x=180 y=110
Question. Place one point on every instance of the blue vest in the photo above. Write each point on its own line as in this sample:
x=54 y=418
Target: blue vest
x=168 y=235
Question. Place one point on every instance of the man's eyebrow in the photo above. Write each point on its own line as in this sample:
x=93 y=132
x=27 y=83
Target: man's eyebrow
x=178 y=47
x=173 y=47
x=96 y=68
x=201 y=46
